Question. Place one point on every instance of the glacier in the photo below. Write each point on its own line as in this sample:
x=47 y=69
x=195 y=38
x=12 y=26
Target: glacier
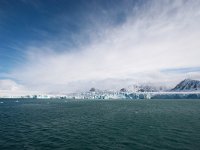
x=186 y=89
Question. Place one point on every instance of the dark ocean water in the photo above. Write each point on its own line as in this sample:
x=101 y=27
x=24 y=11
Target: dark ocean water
x=120 y=124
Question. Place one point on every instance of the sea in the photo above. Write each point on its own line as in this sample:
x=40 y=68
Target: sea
x=28 y=124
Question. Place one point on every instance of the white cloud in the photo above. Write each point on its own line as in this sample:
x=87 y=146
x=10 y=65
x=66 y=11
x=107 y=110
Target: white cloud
x=164 y=35
x=9 y=87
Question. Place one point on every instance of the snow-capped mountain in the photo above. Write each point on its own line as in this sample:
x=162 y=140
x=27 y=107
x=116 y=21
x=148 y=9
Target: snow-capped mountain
x=145 y=88
x=186 y=89
x=187 y=85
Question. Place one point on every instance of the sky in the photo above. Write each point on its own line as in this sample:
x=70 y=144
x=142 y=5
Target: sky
x=63 y=46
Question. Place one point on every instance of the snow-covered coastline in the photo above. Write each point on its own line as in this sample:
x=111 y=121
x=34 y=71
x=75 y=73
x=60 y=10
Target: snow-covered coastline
x=186 y=89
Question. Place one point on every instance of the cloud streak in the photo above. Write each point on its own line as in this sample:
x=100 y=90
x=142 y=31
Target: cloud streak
x=158 y=35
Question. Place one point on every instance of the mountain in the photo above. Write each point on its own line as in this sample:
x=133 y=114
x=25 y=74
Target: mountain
x=145 y=88
x=187 y=85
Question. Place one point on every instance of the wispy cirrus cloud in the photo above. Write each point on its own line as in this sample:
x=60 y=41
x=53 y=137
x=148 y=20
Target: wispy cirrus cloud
x=149 y=38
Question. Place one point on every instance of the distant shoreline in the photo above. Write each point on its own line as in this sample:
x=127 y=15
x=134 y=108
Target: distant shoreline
x=113 y=95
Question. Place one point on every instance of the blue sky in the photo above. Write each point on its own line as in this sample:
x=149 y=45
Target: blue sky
x=26 y=22
x=51 y=45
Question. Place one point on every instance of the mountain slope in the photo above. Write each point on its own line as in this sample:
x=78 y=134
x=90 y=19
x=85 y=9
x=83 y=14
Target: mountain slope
x=145 y=88
x=187 y=85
